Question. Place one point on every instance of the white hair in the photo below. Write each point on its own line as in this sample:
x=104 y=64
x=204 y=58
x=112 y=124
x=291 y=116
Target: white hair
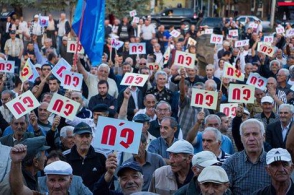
x=65 y=129
x=217 y=133
x=212 y=116
x=104 y=66
x=274 y=61
x=252 y=121
x=160 y=73
x=290 y=107
x=286 y=71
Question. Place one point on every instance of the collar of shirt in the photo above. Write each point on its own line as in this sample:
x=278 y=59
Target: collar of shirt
x=287 y=127
x=271 y=116
x=262 y=156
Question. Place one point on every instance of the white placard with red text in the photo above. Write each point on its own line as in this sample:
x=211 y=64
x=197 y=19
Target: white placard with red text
x=241 y=93
x=23 y=104
x=175 y=33
x=253 y=25
x=43 y=21
x=116 y=44
x=216 y=39
x=266 y=49
x=268 y=39
x=153 y=66
x=191 y=41
x=133 y=13
x=231 y=72
x=229 y=109
x=63 y=106
x=134 y=79
x=118 y=135
x=184 y=59
x=136 y=20
x=204 y=99
x=242 y=43
x=72 y=47
x=280 y=30
x=256 y=80
x=7 y=66
x=72 y=80
x=208 y=31
x=61 y=66
x=137 y=48
x=233 y=33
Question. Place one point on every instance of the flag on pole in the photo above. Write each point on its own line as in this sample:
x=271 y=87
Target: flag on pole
x=166 y=55
x=89 y=21
x=26 y=72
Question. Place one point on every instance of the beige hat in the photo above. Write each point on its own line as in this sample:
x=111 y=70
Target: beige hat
x=181 y=146
x=204 y=159
x=213 y=174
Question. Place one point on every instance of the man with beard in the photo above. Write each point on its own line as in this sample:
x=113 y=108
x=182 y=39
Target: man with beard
x=168 y=179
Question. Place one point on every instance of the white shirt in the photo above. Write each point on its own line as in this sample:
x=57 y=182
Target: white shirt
x=147 y=32
x=285 y=131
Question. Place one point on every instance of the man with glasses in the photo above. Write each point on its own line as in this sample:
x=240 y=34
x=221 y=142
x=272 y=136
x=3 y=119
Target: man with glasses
x=279 y=167
x=41 y=86
x=163 y=109
x=282 y=78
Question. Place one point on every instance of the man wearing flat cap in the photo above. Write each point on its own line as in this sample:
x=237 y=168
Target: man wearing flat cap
x=199 y=162
x=26 y=164
x=59 y=175
x=168 y=179
x=83 y=158
x=130 y=177
x=279 y=167
x=214 y=180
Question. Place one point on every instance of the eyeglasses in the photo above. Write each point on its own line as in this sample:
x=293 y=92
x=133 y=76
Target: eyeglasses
x=279 y=75
x=142 y=63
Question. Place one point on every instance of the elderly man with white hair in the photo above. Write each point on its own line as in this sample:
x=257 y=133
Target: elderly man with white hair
x=245 y=169
x=92 y=80
x=66 y=138
x=210 y=69
x=282 y=78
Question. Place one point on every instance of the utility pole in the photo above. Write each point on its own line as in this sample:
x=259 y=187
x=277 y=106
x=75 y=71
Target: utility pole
x=273 y=13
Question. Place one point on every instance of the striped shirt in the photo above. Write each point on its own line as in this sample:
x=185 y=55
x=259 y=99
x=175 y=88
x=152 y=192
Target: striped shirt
x=282 y=96
x=246 y=177
x=223 y=156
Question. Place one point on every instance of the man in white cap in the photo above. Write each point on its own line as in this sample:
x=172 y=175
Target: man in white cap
x=199 y=162
x=36 y=29
x=59 y=174
x=267 y=116
x=213 y=180
x=168 y=179
x=279 y=167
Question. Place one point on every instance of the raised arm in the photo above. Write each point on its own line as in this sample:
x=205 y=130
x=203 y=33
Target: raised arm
x=124 y=107
x=194 y=130
x=17 y=154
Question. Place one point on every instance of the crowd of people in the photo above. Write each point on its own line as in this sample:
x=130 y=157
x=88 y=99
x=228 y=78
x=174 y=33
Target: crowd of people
x=183 y=149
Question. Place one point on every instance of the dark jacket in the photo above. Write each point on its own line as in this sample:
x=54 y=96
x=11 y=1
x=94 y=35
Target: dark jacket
x=189 y=189
x=274 y=135
x=102 y=188
x=270 y=190
x=90 y=168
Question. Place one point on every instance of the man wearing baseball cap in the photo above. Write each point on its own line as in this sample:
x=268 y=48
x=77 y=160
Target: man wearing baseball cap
x=279 y=167
x=214 y=180
x=130 y=177
x=168 y=179
x=199 y=162
x=267 y=116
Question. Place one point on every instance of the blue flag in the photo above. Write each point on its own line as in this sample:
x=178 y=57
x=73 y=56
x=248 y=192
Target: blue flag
x=92 y=32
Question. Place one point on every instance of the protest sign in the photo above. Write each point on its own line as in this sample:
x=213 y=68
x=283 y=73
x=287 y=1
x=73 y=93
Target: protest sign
x=216 y=39
x=72 y=47
x=266 y=49
x=204 y=99
x=153 y=66
x=242 y=43
x=116 y=44
x=229 y=109
x=43 y=21
x=26 y=72
x=280 y=30
x=184 y=59
x=208 y=31
x=137 y=48
x=72 y=80
x=231 y=72
x=133 y=79
x=191 y=41
x=61 y=66
x=175 y=33
x=241 y=93
x=233 y=33
x=133 y=13
x=268 y=39
x=7 y=66
x=256 y=80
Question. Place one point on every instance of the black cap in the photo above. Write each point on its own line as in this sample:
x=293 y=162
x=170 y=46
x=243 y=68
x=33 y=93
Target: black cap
x=12 y=32
x=34 y=145
x=100 y=108
x=141 y=118
x=82 y=128
x=129 y=165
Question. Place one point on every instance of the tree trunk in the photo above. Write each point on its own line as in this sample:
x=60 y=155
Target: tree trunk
x=17 y=10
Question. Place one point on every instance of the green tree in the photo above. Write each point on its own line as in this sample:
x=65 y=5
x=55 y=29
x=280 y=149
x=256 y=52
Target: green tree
x=49 y=5
x=121 y=8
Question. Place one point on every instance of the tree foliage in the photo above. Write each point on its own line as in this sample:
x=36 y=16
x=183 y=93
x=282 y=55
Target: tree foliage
x=121 y=8
x=50 y=5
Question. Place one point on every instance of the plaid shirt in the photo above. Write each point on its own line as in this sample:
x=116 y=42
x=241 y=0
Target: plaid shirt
x=8 y=83
x=246 y=177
